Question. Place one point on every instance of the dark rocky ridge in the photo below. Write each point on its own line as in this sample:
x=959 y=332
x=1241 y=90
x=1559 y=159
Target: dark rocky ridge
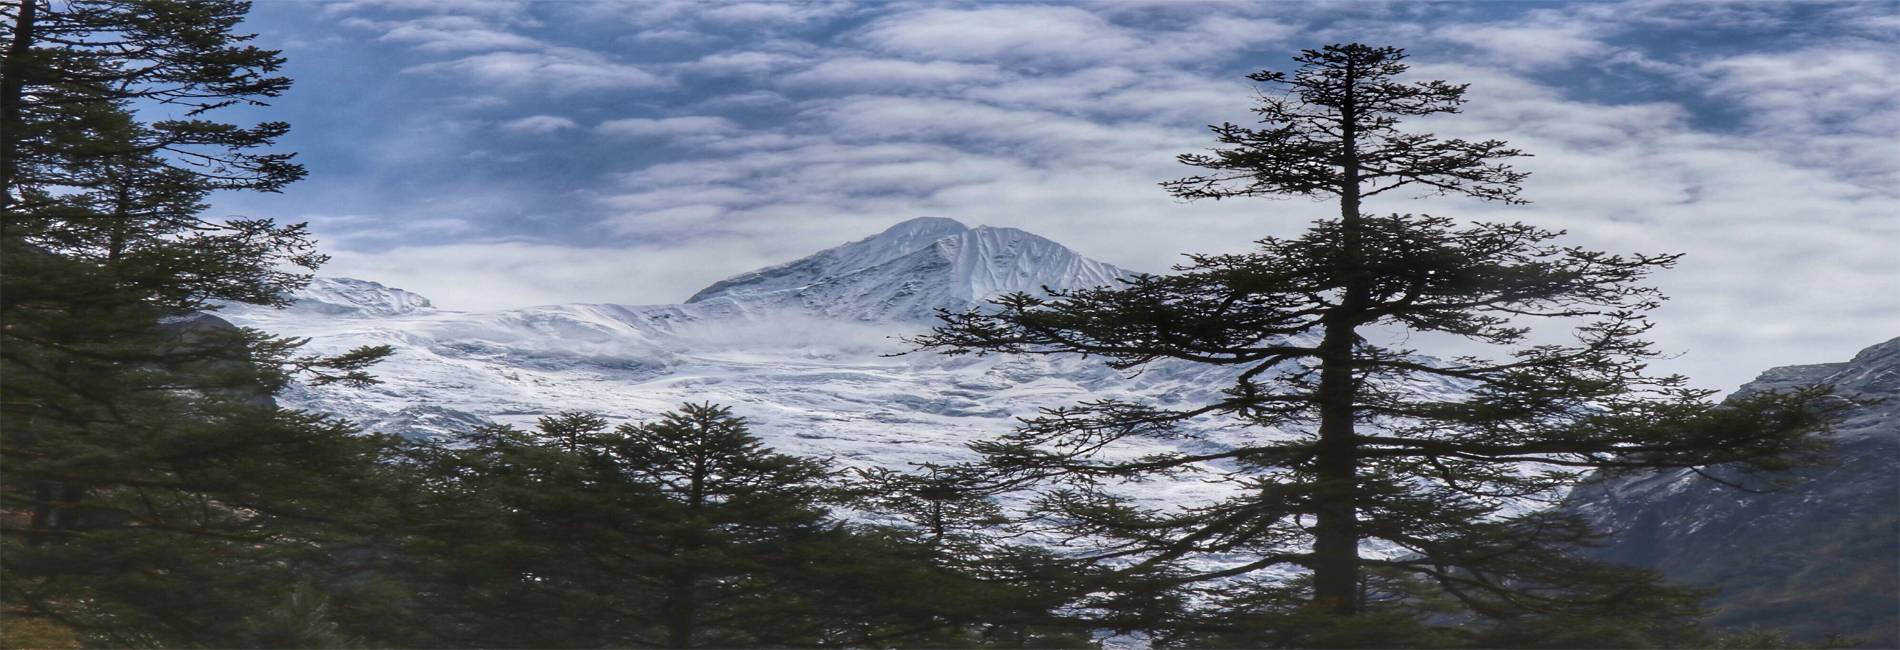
x=1819 y=556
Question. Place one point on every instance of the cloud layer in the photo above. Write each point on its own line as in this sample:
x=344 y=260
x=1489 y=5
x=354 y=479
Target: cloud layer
x=526 y=153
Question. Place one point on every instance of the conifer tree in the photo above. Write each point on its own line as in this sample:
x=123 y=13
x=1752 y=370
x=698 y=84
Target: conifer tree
x=1013 y=594
x=681 y=532
x=732 y=506
x=67 y=62
x=1352 y=448
x=154 y=493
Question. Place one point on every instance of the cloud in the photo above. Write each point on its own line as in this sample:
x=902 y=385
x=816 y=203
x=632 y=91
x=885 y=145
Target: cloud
x=673 y=221
x=538 y=124
x=501 y=9
x=1836 y=105
x=1827 y=87
x=449 y=34
x=559 y=70
x=700 y=22
x=1061 y=35
x=891 y=74
x=1027 y=131
x=744 y=63
x=510 y=274
x=1528 y=46
x=771 y=12
x=1034 y=33
x=687 y=127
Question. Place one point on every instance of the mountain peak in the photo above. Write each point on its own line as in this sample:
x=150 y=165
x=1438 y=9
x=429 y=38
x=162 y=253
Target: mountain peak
x=357 y=297
x=913 y=269
x=896 y=241
x=932 y=227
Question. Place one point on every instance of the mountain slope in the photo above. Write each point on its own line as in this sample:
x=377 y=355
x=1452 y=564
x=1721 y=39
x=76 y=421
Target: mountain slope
x=1817 y=557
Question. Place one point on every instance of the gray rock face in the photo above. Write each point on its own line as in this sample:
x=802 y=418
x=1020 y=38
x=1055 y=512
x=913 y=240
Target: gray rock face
x=1819 y=556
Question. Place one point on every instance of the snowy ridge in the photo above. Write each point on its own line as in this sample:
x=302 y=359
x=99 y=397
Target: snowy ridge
x=349 y=296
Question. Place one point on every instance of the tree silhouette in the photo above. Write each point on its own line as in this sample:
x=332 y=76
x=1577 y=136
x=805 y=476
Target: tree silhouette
x=1359 y=442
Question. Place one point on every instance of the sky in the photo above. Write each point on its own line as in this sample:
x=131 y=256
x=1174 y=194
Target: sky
x=492 y=154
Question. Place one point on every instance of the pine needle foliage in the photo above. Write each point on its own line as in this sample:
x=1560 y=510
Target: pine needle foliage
x=154 y=494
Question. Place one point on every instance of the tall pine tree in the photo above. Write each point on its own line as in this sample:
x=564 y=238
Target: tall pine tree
x=1365 y=454
x=154 y=494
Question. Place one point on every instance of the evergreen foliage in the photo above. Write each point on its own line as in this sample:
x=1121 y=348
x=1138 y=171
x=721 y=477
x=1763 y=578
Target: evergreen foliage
x=154 y=494
x=681 y=532
x=1364 y=455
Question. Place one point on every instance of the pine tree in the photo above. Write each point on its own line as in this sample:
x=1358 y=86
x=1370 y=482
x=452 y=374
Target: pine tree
x=570 y=431
x=68 y=62
x=681 y=532
x=1367 y=455
x=1007 y=594
x=154 y=493
x=733 y=506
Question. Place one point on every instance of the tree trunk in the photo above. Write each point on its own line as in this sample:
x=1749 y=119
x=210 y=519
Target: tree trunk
x=1336 y=531
x=680 y=610
x=12 y=93
x=1336 y=508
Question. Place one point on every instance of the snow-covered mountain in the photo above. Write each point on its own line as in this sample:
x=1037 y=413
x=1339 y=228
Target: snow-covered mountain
x=913 y=269
x=804 y=350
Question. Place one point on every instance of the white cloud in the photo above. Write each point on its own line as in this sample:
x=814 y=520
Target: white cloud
x=1035 y=33
x=1063 y=35
x=891 y=74
x=502 y=275
x=705 y=21
x=674 y=221
x=749 y=62
x=539 y=124
x=501 y=9
x=1828 y=87
x=1836 y=105
x=1531 y=46
x=450 y=34
x=772 y=12
x=690 y=126
x=560 y=70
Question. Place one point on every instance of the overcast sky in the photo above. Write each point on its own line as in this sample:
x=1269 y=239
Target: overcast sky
x=496 y=153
